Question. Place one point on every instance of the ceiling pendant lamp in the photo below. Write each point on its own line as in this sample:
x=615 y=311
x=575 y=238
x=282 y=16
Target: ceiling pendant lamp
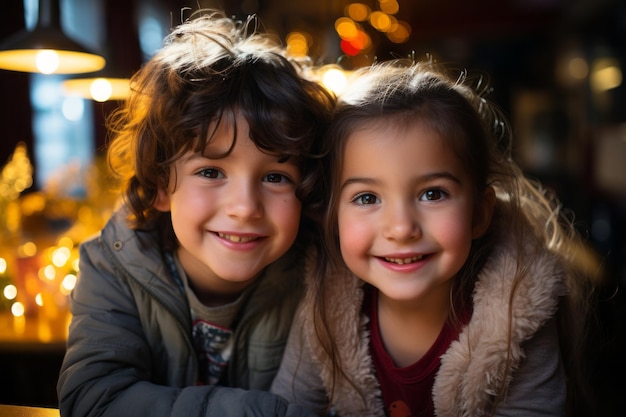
x=123 y=55
x=101 y=87
x=46 y=49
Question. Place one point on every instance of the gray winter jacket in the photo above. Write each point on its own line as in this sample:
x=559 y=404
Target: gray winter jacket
x=130 y=351
x=474 y=369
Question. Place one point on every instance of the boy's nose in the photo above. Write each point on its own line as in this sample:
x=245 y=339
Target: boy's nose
x=244 y=202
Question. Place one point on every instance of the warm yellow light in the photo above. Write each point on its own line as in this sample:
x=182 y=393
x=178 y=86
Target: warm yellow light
x=60 y=256
x=69 y=282
x=99 y=89
x=361 y=41
x=26 y=250
x=50 y=61
x=401 y=33
x=346 y=28
x=39 y=299
x=297 y=44
x=47 y=61
x=17 y=309
x=10 y=292
x=389 y=6
x=48 y=272
x=358 y=11
x=334 y=79
x=380 y=21
x=296 y=37
x=578 y=68
x=606 y=75
x=33 y=203
x=66 y=242
x=3 y=265
x=393 y=24
x=46 y=48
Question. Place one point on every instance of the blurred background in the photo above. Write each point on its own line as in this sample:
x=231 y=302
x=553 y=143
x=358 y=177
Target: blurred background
x=555 y=67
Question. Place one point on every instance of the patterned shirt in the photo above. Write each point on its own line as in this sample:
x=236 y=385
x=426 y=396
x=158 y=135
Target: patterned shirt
x=212 y=327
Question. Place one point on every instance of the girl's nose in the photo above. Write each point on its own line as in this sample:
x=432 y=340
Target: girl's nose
x=244 y=202
x=401 y=223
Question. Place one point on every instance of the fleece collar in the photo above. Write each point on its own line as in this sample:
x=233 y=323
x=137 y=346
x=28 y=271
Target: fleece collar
x=476 y=367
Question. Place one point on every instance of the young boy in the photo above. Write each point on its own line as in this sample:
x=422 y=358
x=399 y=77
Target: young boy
x=186 y=297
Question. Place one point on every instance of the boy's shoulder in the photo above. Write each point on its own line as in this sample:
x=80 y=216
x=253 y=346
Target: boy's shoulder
x=119 y=237
x=136 y=254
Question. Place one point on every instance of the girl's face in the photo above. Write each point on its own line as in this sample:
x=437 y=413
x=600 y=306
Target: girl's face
x=406 y=216
x=234 y=215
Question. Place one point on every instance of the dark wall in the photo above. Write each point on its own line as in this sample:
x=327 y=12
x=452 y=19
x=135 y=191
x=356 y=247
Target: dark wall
x=15 y=114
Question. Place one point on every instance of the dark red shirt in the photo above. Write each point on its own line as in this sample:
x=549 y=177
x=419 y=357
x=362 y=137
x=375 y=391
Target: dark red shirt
x=407 y=392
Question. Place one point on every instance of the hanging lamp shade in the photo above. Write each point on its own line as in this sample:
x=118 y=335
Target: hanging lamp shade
x=46 y=49
x=101 y=87
x=123 y=55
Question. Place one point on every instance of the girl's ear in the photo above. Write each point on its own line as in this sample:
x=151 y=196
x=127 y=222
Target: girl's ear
x=483 y=213
x=162 y=200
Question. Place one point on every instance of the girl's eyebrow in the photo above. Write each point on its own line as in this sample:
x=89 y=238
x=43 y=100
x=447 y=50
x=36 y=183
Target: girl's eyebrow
x=424 y=178
x=358 y=180
x=441 y=175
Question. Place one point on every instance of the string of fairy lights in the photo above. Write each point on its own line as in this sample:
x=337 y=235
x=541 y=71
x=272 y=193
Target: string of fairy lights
x=38 y=266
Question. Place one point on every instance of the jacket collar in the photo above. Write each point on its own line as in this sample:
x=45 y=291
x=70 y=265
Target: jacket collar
x=471 y=370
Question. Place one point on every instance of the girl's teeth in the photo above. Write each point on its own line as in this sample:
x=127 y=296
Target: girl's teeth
x=237 y=239
x=403 y=261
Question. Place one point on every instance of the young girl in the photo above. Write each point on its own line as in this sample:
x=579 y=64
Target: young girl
x=448 y=276
x=190 y=289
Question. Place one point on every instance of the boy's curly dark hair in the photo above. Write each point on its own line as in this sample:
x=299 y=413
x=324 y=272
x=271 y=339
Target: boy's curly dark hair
x=211 y=65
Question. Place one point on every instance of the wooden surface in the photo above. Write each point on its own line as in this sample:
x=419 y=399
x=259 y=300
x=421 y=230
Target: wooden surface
x=22 y=411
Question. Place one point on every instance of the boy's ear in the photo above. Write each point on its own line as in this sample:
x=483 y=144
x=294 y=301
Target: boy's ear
x=483 y=213
x=162 y=200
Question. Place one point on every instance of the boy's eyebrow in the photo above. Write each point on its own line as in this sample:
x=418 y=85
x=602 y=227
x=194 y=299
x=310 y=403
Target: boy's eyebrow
x=191 y=156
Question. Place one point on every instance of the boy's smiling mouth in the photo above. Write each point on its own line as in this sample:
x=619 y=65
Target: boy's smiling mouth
x=236 y=238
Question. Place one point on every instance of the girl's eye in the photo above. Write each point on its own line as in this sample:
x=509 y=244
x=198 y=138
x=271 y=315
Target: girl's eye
x=432 y=195
x=276 y=178
x=366 y=199
x=211 y=173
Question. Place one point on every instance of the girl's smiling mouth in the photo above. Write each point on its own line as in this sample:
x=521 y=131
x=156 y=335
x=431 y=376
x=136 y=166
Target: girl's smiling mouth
x=403 y=260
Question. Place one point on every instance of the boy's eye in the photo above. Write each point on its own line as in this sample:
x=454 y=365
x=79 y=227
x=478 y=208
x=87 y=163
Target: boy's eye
x=432 y=195
x=275 y=177
x=365 y=199
x=211 y=173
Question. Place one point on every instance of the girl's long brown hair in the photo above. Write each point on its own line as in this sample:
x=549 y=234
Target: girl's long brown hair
x=403 y=92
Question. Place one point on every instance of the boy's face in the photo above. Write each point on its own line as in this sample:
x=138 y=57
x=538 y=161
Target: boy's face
x=233 y=215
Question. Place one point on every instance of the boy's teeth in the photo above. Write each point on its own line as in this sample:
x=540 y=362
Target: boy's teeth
x=236 y=239
x=402 y=261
